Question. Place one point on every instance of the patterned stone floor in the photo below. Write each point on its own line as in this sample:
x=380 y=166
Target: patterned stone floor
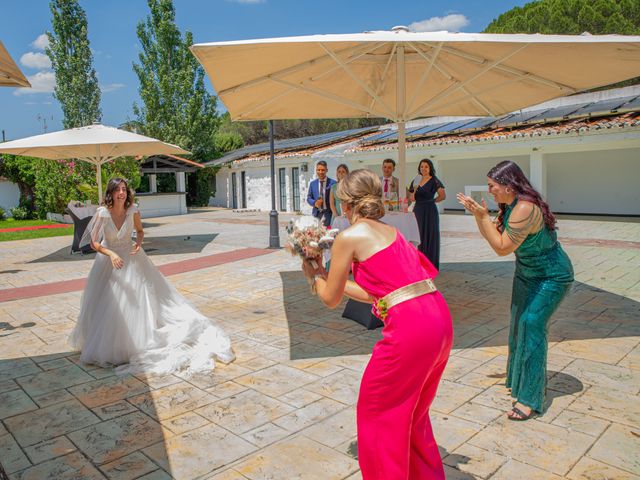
x=286 y=408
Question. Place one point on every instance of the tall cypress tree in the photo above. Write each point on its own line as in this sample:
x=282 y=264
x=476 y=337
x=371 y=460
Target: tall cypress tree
x=77 y=87
x=176 y=106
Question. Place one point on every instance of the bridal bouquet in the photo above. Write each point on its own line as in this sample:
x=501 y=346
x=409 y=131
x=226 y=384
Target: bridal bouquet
x=308 y=238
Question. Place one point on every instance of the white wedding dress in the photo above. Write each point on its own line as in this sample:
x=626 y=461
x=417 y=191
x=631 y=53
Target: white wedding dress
x=134 y=319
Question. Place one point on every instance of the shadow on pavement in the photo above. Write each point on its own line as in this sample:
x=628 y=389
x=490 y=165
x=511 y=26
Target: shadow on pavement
x=176 y=244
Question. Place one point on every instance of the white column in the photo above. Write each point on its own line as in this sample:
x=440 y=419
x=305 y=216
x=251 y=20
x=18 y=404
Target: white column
x=153 y=183
x=180 y=182
x=538 y=172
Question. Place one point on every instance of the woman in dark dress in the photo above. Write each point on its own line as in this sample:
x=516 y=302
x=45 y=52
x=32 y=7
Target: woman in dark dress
x=426 y=192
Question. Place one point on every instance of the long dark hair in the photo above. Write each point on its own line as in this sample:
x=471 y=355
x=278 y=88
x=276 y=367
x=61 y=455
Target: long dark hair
x=432 y=170
x=510 y=175
x=111 y=187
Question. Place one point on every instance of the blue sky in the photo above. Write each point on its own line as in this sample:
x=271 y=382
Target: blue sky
x=112 y=34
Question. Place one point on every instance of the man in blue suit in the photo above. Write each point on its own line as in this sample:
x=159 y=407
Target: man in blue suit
x=318 y=195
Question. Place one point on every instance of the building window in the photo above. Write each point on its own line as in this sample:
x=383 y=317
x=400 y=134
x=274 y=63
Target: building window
x=282 y=183
x=295 y=186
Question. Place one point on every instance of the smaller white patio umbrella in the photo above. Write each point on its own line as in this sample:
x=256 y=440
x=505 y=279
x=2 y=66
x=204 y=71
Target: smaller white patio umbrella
x=10 y=74
x=96 y=144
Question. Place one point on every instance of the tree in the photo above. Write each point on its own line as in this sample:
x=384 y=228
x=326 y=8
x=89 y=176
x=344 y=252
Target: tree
x=76 y=87
x=21 y=171
x=176 y=106
x=571 y=17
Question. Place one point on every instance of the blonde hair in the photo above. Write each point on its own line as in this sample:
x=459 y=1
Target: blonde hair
x=362 y=191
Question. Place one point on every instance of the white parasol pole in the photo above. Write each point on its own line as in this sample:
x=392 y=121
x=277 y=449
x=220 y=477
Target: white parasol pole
x=400 y=109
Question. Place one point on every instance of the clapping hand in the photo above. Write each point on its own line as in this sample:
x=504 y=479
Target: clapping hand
x=472 y=206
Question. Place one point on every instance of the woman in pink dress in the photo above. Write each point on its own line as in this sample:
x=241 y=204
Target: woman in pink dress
x=395 y=440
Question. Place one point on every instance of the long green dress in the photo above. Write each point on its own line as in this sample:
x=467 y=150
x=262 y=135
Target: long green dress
x=542 y=278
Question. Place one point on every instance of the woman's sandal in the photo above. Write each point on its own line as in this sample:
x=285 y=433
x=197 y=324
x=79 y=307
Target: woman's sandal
x=521 y=416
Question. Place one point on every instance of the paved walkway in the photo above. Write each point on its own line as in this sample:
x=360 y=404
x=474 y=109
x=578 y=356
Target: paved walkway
x=286 y=408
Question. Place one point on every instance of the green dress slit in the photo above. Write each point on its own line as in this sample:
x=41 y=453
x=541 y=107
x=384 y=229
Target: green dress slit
x=542 y=278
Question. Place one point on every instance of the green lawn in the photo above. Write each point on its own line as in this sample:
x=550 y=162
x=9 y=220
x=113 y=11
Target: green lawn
x=26 y=234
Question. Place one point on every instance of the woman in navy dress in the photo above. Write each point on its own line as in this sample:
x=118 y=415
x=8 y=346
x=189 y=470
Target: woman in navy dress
x=427 y=190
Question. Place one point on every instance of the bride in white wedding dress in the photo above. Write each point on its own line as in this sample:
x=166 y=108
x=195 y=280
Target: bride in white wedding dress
x=130 y=316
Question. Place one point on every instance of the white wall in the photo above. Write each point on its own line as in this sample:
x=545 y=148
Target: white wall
x=9 y=195
x=605 y=182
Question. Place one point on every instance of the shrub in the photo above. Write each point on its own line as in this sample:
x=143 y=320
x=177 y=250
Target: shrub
x=19 y=213
x=3 y=213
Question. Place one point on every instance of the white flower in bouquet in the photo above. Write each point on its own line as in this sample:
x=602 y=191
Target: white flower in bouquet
x=308 y=238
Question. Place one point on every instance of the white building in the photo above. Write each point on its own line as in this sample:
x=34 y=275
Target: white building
x=581 y=152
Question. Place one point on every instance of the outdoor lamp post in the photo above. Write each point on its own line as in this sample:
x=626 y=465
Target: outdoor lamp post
x=274 y=234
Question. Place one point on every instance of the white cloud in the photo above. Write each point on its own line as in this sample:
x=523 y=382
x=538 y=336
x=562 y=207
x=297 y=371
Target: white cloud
x=452 y=23
x=41 y=42
x=111 y=87
x=35 y=60
x=41 y=82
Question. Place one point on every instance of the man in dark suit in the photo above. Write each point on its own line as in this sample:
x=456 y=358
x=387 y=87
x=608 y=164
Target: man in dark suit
x=318 y=194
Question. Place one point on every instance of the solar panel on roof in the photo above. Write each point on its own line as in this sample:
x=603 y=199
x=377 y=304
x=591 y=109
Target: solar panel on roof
x=631 y=104
x=519 y=117
x=478 y=123
x=603 y=106
x=558 y=112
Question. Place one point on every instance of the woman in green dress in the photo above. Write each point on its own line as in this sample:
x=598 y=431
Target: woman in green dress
x=543 y=276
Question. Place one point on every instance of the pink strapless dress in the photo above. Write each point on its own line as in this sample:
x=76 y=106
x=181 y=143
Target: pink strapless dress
x=395 y=439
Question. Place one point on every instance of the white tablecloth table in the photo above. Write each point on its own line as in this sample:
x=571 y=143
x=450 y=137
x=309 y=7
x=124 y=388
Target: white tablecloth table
x=82 y=211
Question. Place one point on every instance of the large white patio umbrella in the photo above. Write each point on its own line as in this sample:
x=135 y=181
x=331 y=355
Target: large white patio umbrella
x=10 y=74
x=402 y=75
x=96 y=144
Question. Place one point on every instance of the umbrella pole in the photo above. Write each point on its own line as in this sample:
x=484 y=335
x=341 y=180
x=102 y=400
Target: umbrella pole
x=402 y=160
x=274 y=234
x=99 y=180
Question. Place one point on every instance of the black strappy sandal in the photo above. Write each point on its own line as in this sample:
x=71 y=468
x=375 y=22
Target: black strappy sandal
x=521 y=416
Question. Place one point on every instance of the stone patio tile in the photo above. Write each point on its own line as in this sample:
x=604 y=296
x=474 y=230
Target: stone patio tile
x=3 y=431
x=245 y=411
x=479 y=380
x=300 y=397
x=52 y=380
x=198 y=452
x=452 y=395
x=545 y=446
x=56 y=447
x=50 y=422
x=276 y=380
x=596 y=349
x=108 y=390
x=229 y=474
x=283 y=460
x=632 y=360
x=496 y=396
x=70 y=467
x=514 y=469
x=308 y=415
x=13 y=458
x=474 y=412
x=619 y=446
x=451 y=432
x=265 y=434
x=112 y=410
x=334 y=430
x=475 y=461
x=171 y=401
x=15 y=402
x=226 y=389
x=342 y=386
x=53 y=364
x=18 y=367
x=184 y=423
x=581 y=423
x=110 y=440
x=158 y=381
x=604 y=375
x=8 y=385
x=322 y=369
x=221 y=374
x=129 y=467
x=609 y=404
x=590 y=469
x=156 y=475
x=52 y=398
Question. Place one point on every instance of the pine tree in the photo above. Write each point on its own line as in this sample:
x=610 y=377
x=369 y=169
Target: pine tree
x=76 y=87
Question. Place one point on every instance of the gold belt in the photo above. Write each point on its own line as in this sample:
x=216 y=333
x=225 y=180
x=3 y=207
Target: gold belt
x=403 y=294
